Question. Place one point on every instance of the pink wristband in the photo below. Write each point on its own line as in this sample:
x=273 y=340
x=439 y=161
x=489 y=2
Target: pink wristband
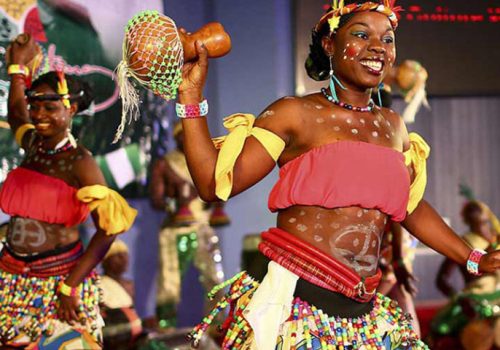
x=473 y=261
x=192 y=111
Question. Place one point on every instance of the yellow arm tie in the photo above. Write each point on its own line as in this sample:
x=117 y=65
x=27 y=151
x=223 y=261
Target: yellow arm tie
x=417 y=156
x=21 y=131
x=240 y=126
x=115 y=215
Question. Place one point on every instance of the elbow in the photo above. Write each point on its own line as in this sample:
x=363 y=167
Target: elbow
x=208 y=196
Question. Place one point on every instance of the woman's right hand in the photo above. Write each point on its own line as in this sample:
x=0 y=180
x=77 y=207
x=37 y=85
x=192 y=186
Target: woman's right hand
x=194 y=75
x=22 y=50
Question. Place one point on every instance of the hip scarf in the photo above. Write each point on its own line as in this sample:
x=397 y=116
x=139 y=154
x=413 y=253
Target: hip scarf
x=29 y=300
x=57 y=262
x=316 y=267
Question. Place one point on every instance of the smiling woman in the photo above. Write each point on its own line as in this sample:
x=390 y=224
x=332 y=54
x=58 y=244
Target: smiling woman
x=48 y=286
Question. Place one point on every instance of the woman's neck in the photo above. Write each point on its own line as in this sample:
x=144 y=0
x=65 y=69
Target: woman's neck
x=353 y=96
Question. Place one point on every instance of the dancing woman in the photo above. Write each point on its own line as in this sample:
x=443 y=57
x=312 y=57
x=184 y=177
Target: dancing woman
x=48 y=287
x=347 y=168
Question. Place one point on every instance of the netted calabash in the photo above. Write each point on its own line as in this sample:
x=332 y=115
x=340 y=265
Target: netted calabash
x=154 y=52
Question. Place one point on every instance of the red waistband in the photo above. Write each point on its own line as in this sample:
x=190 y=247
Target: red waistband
x=54 y=265
x=316 y=267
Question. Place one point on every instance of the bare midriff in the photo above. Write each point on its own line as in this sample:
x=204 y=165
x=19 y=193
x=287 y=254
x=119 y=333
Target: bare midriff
x=31 y=237
x=351 y=235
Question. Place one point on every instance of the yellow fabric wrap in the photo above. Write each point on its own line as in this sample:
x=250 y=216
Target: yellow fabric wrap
x=240 y=126
x=417 y=156
x=115 y=215
x=21 y=131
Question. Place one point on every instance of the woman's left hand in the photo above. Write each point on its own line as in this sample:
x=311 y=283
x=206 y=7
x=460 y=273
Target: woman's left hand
x=68 y=309
x=490 y=262
x=406 y=279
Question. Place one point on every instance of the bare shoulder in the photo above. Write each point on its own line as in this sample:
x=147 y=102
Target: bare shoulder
x=284 y=116
x=85 y=168
x=399 y=125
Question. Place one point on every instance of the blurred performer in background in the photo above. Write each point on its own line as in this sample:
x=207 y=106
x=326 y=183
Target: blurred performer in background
x=186 y=235
x=398 y=254
x=122 y=325
x=48 y=286
x=472 y=314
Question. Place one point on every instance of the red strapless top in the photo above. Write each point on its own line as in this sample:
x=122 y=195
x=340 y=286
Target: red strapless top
x=344 y=174
x=30 y=194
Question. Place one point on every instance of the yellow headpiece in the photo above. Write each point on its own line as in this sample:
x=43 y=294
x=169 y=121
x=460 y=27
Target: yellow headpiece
x=62 y=88
x=117 y=247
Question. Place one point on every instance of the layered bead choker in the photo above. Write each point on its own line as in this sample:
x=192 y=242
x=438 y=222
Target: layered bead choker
x=64 y=145
x=330 y=98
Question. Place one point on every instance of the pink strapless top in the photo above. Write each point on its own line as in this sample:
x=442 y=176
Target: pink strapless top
x=30 y=194
x=344 y=174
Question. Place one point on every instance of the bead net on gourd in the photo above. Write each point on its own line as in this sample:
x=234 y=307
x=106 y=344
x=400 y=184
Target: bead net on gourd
x=153 y=55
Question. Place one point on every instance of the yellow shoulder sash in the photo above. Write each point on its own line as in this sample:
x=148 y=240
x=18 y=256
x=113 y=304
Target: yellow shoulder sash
x=240 y=127
x=115 y=215
x=417 y=156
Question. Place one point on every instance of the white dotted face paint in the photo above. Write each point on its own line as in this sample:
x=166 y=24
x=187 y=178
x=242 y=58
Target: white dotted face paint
x=318 y=216
x=374 y=243
x=362 y=121
x=318 y=226
x=318 y=107
x=359 y=213
x=388 y=123
x=307 y=106
x=349 y=121
x=318 y=238
x=376 y=123
x=266 y=114
x=336 y=128
x=334 y=225
x=375 y=134
x=302 y=213
x=345 y=57
x=292 y=220
x=387 y=136
x=355 y=242
x=354 y=131
x=333 y=116
x=320 y=120
x=302 y=227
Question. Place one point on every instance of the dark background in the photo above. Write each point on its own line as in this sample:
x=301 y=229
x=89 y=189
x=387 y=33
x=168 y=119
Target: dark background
x=457 y=41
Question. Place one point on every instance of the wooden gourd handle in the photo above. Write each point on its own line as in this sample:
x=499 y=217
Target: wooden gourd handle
x=213 y=36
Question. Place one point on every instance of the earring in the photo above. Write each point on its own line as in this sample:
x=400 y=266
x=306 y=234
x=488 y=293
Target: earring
x=71 y=138
x=380 y=87
x=333 y=80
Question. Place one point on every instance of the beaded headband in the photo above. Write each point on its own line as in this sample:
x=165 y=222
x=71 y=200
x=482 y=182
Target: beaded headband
x=339 y=9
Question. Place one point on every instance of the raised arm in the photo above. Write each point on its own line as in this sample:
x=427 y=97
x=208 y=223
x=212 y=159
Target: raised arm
x=22 y=55
x=253 y=163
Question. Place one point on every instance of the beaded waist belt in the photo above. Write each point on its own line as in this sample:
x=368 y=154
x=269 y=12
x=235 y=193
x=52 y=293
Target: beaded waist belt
x=316 y=267
x=58 y=263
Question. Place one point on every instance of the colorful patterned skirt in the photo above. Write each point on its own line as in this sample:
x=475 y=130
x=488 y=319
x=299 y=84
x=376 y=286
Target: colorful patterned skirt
x=29 y=302
x=268 y=315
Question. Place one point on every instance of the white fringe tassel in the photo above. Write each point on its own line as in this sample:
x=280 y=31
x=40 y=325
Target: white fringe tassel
x=129 y=97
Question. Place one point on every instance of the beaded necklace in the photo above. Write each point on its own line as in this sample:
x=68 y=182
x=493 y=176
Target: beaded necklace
x=63 y=146
x=330 y=98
